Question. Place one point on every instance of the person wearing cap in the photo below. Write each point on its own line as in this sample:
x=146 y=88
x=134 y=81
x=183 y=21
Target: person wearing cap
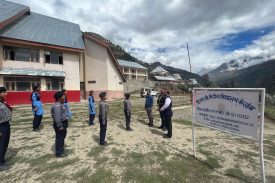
x=102 y=117
x=37 y=108
x=69 y=113
x=92 y=110
x=127 y=111
x=5 y=118
x=60 y=123
x=166 y=110
x=149 y=102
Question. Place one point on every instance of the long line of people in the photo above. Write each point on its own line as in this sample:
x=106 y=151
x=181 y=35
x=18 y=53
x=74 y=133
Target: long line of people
x=61 y=113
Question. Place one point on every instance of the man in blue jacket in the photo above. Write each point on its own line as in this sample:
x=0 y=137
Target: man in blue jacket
x=149 y=102
x=37 y=108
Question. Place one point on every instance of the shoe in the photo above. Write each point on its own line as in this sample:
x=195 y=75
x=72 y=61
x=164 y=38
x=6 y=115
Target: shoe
x=61 y=155
x=3 y=163
x=36 y=130
x=150 y=125
x=103 y=143
x=160 y=127
x=166 y=136
x=129 y=129
x=3 y=167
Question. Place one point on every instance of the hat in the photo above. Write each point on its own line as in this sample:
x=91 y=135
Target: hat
x=3 y=89
x=102 y=94
x=58 y=95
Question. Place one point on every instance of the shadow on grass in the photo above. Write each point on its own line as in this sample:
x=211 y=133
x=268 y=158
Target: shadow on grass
x=95 y=138
x=120 y=125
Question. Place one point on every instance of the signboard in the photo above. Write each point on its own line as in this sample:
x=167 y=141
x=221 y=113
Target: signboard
x=233 y=111
x=238 y=111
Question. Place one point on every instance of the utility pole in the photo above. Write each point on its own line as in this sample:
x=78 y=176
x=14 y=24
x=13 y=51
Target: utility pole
x=189 y=57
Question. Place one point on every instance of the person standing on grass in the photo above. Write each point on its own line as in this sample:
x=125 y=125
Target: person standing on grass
x=5 y=118
x=149 y=102
x=102 y=117
x=127 y=111
x=37 y=108
x=60 y=123
x=167 y=113
x=69 y=113
x=92 y=110
x=160 y=103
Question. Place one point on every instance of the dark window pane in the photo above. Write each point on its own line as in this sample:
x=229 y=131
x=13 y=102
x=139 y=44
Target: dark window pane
x=22 y=54
x=23 y=86
x=12 y=86
x=60 y=60
x=55 y=84
x=54 y=58
x=48 y=59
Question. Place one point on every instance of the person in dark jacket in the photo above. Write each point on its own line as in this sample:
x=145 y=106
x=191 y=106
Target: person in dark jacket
x=149 y=102
x=159 y=103
x=166 y=110
x=92 y=110
x=5 y=118
x=102 y=117
x=37 y=108
x=127 y=111
x=60 y=123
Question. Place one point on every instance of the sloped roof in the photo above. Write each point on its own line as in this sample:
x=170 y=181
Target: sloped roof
x=126 y=63
x=31 y=72
x=43 y=29
x=165 y=78
x=159 y=69
x=177 y=76
x=10 y=9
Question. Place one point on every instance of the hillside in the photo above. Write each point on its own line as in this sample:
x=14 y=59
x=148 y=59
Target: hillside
x=120 y=53
x=257 y=76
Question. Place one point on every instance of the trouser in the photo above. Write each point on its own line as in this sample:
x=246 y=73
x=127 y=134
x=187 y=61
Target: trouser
x=150 y=115
x=91 y=119
x=103 y=129
x=127 y=119
x=168 y=123
x=37 y=121
x=4 y=139
x=60 y=136
x=162 y=119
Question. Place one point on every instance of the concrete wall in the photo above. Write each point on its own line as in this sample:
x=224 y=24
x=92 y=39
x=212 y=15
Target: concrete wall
x=115 y=81
x=136 y=85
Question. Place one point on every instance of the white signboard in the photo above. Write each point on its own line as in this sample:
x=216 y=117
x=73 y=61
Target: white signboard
x=232 y=111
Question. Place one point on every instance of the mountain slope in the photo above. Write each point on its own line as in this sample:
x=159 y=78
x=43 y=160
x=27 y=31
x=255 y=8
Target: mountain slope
x=257 y=76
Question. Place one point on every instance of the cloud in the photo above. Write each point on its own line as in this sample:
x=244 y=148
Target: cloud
x=149 y=26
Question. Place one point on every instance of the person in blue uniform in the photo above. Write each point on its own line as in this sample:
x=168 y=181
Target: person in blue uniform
x=149 y=102
x=5 y=118
x=66 y=104
x=166 y=110
x=92 y=110
x=102 y=117
x=60 y=123
x=37 y=108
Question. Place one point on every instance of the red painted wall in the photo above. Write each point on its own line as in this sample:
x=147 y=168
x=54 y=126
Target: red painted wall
x=16 y=98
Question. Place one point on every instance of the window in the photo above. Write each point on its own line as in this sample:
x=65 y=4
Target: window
x=92 y=82
x=21 y=83
x=53 y=57
x=21 y=54
x=55 y=83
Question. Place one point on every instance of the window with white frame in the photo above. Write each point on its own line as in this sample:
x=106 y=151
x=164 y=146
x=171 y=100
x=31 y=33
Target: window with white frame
x=21 y=54
x=21 y=83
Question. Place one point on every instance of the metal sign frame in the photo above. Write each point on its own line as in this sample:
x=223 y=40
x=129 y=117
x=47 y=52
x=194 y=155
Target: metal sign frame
x=260 y=122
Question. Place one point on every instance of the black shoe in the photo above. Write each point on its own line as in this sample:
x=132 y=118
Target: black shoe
x=166 y=136
x=36 y=130
x=3 y=167
x=160 y=127
x=103 y=143
x=129 y=129
x=3 y=162
x=150 y=125
x=61 y=155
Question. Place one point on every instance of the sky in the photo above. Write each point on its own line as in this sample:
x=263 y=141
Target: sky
x=159 y=30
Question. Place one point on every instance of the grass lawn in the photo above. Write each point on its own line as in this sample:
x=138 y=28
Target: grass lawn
x=138 y=156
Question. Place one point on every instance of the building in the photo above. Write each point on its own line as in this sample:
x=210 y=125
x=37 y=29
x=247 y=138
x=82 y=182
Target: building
x=98 y=64
x=133 y=70
x=38 y=50
x=159 y=71
x=177 y=76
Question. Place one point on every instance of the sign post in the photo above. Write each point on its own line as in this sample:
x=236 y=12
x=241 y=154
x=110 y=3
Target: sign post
x=238 y=111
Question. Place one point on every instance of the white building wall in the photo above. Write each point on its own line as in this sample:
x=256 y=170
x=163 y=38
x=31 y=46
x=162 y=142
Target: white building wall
x=115 y=81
